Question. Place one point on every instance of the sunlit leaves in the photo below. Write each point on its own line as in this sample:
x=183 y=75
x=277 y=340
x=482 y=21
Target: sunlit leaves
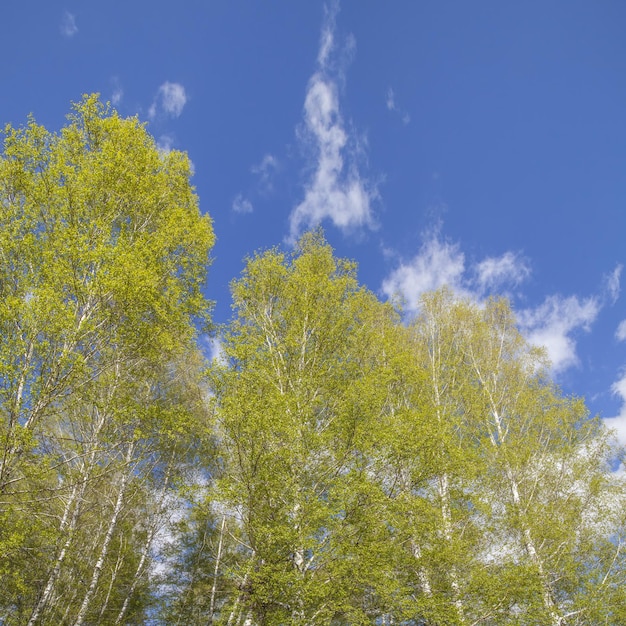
x=103 y=257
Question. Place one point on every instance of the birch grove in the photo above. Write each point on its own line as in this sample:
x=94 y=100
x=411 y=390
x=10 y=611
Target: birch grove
x=340 y=463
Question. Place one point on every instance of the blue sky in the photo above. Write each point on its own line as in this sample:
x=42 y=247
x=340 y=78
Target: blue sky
x=478 y=144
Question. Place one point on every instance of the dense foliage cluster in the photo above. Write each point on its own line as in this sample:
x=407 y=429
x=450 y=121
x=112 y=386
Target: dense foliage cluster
x=336 y=465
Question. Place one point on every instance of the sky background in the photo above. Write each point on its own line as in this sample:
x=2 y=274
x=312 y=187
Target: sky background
x=479 y=144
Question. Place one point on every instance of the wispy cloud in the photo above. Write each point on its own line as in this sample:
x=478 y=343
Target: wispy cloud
x=390 y=101
x=165 y=143
x=265 y=170
x=336 y=189
x=242 y=205
x=68 y=26
x=171 y=99
x=618 y=422
x=214 y=349
x=495 y=272
x=437 y=263
x=612 y=283
x=118 y=91
x=554 y=325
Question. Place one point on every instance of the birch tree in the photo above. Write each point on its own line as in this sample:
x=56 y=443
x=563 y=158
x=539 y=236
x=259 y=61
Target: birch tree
x=432 y=466
x=555 y=503
x=296 y=410
x=500 y=488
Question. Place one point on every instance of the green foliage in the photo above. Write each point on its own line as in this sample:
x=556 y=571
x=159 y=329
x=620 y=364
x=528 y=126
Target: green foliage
x=429 y=473
x=103 y=256
x=296 y=412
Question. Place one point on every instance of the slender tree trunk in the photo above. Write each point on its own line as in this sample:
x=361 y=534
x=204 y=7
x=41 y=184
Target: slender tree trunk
x=416 y=551
x=232 y=618
x=116 y=569
x=137 y=577
x=97 y=570
x=444 y=494
x=297 y=612
x=443 y=481
x=9 y=446
x=527 y=539
x=77 y=495
x=422 y=575
x=529 y=544
x=70 y=525
x=146 y=548
x=216 y=570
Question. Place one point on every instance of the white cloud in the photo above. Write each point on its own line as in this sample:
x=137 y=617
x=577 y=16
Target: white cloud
x=117 y=96
x=612 y=284
x=118 y=92
x=242 y=205
x=390 y=101
x=441 y=262
x=493 y=272
x=327 y=37
x=215 y=348
x=68 y=25
x=435 y=265
x=265 y=170
x=171 y=98
x=620 y=333
x=336 y=190
x=553 y=324
x=618 y=422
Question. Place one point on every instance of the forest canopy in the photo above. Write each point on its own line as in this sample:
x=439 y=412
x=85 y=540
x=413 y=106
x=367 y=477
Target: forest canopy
x=339 y=464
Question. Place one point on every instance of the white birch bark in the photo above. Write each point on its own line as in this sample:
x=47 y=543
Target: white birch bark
x=76 y=497
x=97 y=570
x=443 y=481
x=69 y=525
x=527 y=538
x=216 y=570
x=232 y=617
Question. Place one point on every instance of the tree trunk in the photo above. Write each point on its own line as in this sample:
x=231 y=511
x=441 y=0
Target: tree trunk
x=97 y=570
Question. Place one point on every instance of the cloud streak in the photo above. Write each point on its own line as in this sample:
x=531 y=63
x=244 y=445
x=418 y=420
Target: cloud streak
x=336 y=189
x=437 y=263
x=118 y=91
x=612 y=284
x=495 y=272
x=265 y=170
